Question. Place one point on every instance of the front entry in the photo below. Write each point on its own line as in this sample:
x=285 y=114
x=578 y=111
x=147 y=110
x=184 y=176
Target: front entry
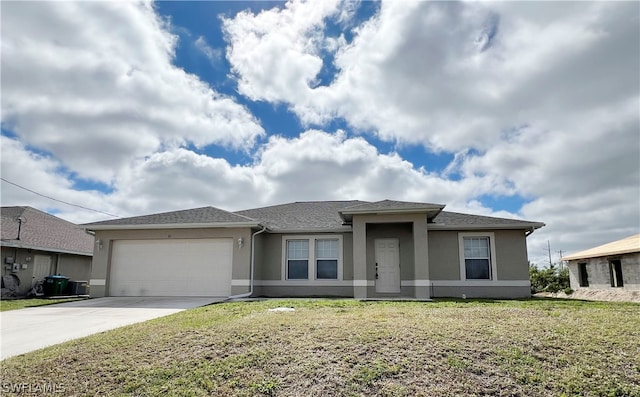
x=387 y=255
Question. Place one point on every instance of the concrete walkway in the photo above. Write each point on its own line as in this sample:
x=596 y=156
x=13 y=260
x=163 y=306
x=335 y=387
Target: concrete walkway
x=30 y=329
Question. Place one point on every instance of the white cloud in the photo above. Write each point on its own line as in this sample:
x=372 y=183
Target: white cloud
x=314 y=166
x=214 y=55
x=536 y=101
x=42 y=174
x=409 y=77
x=276 y=53
x=94 y=84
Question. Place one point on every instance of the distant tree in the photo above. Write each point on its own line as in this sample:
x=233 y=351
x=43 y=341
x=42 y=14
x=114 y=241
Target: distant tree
x=550 y=279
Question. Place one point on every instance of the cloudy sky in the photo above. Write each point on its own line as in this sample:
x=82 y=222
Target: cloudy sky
x=511 y=109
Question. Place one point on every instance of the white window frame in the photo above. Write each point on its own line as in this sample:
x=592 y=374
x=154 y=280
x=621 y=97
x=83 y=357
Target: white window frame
x=492 y=252
x=312 y=257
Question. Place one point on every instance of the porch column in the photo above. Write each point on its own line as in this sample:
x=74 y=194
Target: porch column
x=421 y=255
x=359 y=258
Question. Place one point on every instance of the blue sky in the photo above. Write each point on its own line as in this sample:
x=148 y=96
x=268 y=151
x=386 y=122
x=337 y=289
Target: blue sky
x=513 y=109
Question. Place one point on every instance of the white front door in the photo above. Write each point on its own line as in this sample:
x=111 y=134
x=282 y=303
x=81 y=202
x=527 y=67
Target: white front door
x=41 y=267
x=387 y=255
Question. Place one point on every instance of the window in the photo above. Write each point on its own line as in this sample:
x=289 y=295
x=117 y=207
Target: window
x=615 y=272
x=327 y=259
x=583 y=276
x=297 y=259
x=477 y=260
x=312 y=257
x=477 y=256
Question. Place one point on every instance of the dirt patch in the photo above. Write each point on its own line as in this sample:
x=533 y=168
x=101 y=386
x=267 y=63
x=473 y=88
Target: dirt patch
x=607 y=295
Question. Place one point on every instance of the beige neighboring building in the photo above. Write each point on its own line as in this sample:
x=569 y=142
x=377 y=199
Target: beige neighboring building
x=381 y=250
x=35 y=244
x=615 y=265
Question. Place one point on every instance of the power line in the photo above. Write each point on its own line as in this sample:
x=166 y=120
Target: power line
x=60 y=201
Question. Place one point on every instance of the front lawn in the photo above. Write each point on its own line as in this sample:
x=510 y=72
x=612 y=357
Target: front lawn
x=348 y=348
x=15 y=304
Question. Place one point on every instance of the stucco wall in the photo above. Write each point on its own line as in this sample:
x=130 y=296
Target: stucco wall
x=511 y=254
x=76 y=267
x=403 y=232
x=469 y=292
x=102 y=257
x=414 y=266
x=270 y=257
x=444 y=258
x=599 y=276
x=25 y=275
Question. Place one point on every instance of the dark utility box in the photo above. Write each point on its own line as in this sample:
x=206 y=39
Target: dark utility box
x=78 y=287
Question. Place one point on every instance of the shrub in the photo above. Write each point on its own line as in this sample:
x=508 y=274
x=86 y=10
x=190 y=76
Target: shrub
x=549 y=279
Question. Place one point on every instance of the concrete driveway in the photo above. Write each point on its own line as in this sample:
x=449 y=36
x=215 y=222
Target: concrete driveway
x=33 y=328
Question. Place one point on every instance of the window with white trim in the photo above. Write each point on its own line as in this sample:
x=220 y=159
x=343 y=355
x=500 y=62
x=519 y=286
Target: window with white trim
x=327 y=259
x=312 y=257
x=477 y=256
x=297 y=259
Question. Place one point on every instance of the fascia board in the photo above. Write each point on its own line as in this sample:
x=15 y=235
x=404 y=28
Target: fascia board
x=392 y=211
x=39 y=248
x=534 y=226
x=174 y=226
x=310 y=231
x=600 y=255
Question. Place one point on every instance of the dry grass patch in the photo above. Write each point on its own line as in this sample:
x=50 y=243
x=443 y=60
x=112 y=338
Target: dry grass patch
x=350 y=348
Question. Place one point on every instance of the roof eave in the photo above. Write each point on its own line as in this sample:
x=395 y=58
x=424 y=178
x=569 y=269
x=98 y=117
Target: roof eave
x=212 y=225
x=310 y=231
x=12 y=244
x=579 y=256
x=392 y=210
x=531 y=227
x=431 y=211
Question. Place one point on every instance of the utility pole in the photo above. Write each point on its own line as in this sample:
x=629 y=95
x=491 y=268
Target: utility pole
x=549 y=249
x=560 y=252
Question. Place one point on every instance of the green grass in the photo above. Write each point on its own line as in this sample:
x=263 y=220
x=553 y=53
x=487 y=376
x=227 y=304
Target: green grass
x=15 y=304
x=532 y=347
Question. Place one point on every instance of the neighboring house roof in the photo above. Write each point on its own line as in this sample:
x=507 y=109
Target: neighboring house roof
x=197 y=217
x=626 y=245
x=309 y=216
x=42 y=231
x=302 y=216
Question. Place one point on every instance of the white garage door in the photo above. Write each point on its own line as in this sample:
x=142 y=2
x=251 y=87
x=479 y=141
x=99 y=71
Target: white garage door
x=175 y=267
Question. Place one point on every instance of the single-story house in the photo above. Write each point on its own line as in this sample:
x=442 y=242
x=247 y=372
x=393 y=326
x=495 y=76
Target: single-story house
x=614 y=265
x=365 y=250
x=35 y=244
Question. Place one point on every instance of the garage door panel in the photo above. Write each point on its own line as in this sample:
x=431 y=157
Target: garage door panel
x=176 y=267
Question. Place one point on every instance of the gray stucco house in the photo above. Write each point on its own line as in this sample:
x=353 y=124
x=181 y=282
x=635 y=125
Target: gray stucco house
x=36 y=244
x=611 y=266
x=365 y=250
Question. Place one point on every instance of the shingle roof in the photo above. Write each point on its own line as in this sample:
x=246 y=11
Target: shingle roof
x=204 y=215
x=43 y=231
x=324 y=215
x=624 y=246
x=390 y=204
x=309 y=215
x=306 y=216
x=455 y=219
